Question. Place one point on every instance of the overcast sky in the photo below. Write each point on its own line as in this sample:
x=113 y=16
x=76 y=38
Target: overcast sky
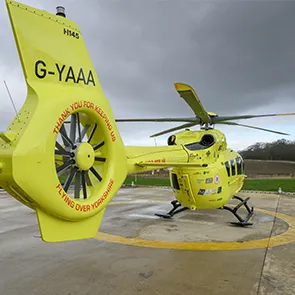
x=239 y=56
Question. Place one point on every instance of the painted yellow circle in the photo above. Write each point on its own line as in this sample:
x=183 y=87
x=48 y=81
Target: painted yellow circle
x=85 y=156
x=282 y=239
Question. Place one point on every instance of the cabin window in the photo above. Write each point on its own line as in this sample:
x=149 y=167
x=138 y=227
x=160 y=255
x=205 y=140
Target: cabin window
x=227 y=168
x=239 y=166
x=175 y=183
x=233 y=167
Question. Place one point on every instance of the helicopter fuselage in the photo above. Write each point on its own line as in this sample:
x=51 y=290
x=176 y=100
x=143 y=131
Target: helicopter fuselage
x=216 y=173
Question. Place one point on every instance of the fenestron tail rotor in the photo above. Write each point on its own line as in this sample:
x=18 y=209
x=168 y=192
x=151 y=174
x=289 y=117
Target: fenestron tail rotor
x=202 y=117
x=79 y=160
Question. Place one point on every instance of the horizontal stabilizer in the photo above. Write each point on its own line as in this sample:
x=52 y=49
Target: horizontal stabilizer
x=170 y=164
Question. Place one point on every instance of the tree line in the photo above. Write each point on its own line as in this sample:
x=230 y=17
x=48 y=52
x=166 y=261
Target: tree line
x=281 y=150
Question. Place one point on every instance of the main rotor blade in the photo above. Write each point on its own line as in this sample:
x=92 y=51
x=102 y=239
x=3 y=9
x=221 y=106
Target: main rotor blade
x=229 y=118
x=174 y=129
x=189 y=119
x=191 y=98
x=253 y=127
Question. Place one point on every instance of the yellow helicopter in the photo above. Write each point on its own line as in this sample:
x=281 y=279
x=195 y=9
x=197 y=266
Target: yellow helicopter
x=208 y=174
x=69 y=170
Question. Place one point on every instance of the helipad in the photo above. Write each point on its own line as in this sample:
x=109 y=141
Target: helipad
x=136 y=252
x=284 y=238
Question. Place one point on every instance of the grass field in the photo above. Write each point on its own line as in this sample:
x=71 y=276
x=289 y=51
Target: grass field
x=271 y=184
x=287 y=185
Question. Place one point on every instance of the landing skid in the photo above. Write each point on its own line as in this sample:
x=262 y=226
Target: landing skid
x=242 y=222
x=173 y=211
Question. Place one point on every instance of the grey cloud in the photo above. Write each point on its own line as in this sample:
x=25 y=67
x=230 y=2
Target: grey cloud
x=239 y=56
x=230 y=52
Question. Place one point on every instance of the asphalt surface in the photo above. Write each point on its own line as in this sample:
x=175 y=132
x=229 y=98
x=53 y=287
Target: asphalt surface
x=136 y=252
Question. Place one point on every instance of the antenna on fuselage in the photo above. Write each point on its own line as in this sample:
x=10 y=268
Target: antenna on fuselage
x=11 y=100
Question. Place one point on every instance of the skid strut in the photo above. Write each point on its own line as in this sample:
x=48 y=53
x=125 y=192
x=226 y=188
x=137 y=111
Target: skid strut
x=241 y=222
x=173 y=211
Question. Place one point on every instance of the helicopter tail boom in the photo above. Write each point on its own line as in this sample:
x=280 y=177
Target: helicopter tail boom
x=142 y=159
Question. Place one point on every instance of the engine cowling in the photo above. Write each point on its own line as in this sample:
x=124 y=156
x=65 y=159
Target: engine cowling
x=207 y=140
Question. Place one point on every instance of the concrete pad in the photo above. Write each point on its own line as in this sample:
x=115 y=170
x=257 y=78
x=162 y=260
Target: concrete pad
x=279 y=268
x=97 y=266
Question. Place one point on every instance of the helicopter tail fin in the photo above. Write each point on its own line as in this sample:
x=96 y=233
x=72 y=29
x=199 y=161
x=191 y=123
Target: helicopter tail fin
x=69 y=198
x=51 y=47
